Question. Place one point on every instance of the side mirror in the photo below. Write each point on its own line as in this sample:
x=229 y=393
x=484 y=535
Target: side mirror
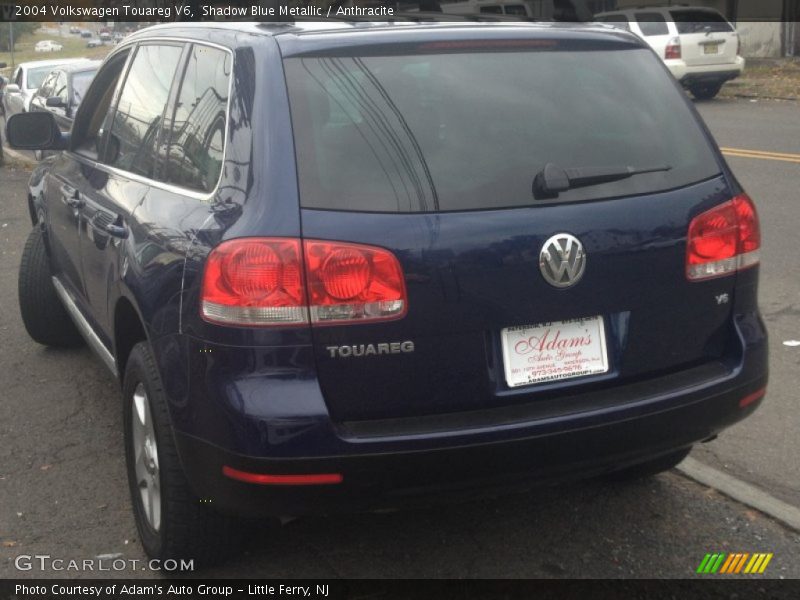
x=12 y=88
x=34 y=131
x=55 y=102
x=3 y=65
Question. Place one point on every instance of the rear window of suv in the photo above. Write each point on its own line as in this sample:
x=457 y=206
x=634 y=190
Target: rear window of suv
x=652 y=24
x=470 y=130
x=700 y=21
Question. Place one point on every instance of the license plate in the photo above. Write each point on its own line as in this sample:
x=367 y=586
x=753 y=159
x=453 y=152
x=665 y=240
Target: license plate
x=554 y=351
x=711 y=48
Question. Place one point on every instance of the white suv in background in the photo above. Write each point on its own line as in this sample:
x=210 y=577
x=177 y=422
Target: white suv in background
x=698 y=45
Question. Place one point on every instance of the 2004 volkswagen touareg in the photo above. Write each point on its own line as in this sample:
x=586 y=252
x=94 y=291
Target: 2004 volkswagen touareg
x=338 y=265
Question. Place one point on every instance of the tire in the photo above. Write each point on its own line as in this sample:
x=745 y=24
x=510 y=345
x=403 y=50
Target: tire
x=177 y=526
x=44 y=316
x=706 y=91
x=650 y=468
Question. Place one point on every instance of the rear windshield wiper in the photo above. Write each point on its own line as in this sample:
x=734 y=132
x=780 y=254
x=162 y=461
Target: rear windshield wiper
x=552 y=180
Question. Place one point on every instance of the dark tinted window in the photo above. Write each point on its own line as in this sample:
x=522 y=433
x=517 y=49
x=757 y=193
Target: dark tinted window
x=652 y=24
x=696 y=21
x=194 y=151
x=471 y=130
x=80 y=83
x=95 y=110
x=492 y=10
x=140 y=109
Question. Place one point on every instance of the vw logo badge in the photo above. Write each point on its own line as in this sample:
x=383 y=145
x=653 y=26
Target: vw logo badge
x=562 y=260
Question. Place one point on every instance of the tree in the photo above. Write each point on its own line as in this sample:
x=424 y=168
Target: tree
x=20 y=29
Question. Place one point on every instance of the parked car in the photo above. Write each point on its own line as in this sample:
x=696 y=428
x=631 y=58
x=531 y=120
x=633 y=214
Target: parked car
x=697 y=44
x=63 y=90
x=334 y=269
x=48 y=46
x=74 y=29
x=94 y=43
x=85 y=33
x=26 y=79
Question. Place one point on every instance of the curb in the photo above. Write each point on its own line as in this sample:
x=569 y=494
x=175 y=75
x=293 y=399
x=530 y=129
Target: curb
x=759 y=97
x=742 y=492
x=18 y=156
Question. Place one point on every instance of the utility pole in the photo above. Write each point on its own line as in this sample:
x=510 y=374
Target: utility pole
x=11 y=40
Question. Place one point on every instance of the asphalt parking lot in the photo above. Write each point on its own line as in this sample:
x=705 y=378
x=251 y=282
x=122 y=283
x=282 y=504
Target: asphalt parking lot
x=62 y=479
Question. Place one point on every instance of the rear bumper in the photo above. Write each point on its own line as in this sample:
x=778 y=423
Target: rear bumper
x=399 y=462
x=377 y=481
x=719 y=73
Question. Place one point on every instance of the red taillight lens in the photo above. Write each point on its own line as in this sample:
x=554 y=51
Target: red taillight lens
x=255 y=281
x=749 y=229
x=264 y=281
x=673 y=50
x=723 y=240
x=351 y=282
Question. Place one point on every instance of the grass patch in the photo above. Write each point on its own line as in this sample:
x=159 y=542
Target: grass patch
x=778 y=80
x=74 y=47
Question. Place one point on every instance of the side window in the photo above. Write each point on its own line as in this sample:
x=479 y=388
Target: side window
x=492 y=10
x=80 y=84
x=18 y=77
x=87 y=131
x=194 y=151
x=60 y=87
x=46 y=89
x=652 y=24
x=137 y=120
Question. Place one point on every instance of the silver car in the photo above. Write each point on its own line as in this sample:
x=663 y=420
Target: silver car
x=26 y=79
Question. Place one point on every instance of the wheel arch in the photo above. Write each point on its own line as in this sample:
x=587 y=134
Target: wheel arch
x=32 y=210
x=129 y=330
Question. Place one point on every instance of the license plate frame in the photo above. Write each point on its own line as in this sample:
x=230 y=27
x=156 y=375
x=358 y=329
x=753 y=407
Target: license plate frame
x=554 y=351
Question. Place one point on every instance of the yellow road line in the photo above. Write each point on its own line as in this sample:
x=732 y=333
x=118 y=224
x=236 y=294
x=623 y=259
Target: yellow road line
x=762 y=155
x=762 y=152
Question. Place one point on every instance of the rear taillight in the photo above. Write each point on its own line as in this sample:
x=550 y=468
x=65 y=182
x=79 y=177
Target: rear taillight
x=281 y=281
x=255 y=281
x=673 y=50
x=353 y=283
x=723 y=240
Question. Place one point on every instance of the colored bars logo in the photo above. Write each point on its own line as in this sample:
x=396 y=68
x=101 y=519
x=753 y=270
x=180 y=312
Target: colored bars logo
x=734 y=564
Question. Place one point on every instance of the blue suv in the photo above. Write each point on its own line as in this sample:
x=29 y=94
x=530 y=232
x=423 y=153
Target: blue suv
x=348 y=265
